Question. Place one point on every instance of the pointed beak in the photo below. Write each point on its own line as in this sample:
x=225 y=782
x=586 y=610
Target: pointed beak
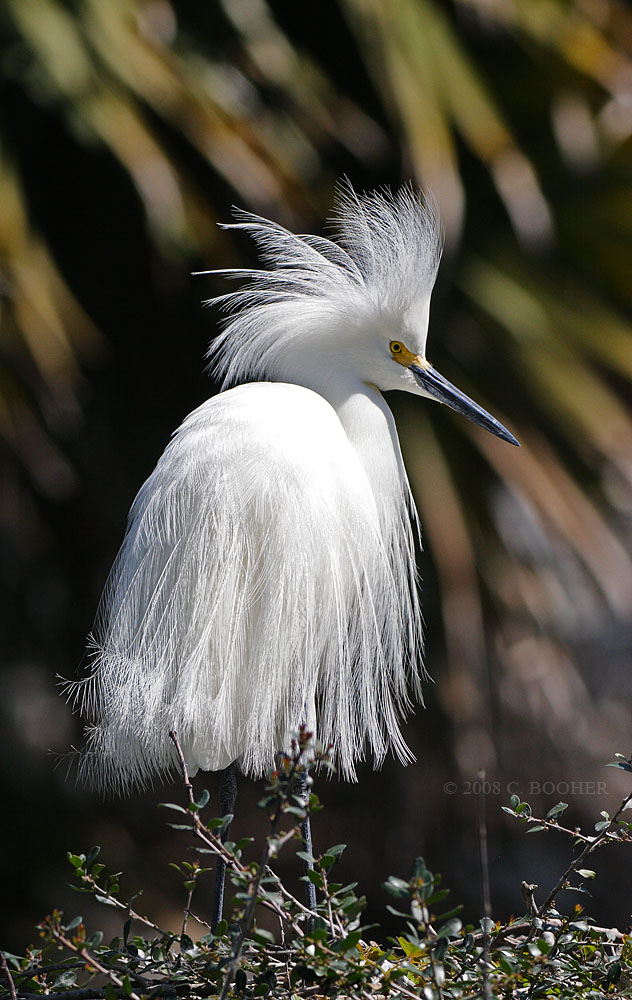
x=437 y=386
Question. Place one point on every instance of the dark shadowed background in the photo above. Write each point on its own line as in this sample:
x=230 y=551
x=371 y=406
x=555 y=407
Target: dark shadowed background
x=128 y=128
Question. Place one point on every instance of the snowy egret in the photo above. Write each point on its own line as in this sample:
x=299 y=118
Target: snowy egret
x=267 y=576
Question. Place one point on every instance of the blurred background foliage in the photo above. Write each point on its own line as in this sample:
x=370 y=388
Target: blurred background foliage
x=128 y=128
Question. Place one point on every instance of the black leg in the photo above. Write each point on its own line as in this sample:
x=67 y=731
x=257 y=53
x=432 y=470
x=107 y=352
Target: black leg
x=306 y=830
x=227 y=796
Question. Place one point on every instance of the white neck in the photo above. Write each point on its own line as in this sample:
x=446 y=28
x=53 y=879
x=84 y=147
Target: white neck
x=370 y=427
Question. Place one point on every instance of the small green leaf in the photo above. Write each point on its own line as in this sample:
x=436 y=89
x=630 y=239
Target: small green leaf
x=336 y=849
x=305 y=856
x=186 y=943
x=203 y=799
x=397 y=886
x=450 y=929
x=295 y=811
x=74 y=923
x=93 y=854
x=314 y=877
x=68 y=978
x=347 y=943
x=174 y=806
x=614 y=973
x=586 y=873
x=263 y=936
x=557 y=810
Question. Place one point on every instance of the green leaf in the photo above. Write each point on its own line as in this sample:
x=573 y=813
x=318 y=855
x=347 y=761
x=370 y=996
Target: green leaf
x=614 y=973
x=410 y=950
x=295 y=811
x=347 y=943
x=336 y=849
x=263 y=936
x=314 y=877
x=74 y=923
x=586 y=873
x=203 y=799
x=127 y=986
x=449 y=914
x=419 y=870
x=536 y=827
x=396 y=886
x=186 y=943
x=623 y=765
x=450 y=929
x=557 y=810
x=68 y=978
x=93 y=854
x=305 y=856
x=174 y=806
x=222 y=927
x=437 y=896
x=76 y=860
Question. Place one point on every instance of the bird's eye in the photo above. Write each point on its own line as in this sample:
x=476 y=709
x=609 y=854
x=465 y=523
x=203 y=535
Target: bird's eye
x=396 y=347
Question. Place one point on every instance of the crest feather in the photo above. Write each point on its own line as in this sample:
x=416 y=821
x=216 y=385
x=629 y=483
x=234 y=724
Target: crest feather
x=384 y=261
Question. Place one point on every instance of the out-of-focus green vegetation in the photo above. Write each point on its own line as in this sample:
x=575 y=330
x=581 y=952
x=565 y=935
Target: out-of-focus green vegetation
x=129 y=127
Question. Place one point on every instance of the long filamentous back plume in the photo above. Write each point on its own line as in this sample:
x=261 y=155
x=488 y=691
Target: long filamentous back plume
x=250 y=592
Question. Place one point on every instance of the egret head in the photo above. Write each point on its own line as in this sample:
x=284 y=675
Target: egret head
x=356 y=308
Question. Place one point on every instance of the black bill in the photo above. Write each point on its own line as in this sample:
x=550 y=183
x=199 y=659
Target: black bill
x=439 y=387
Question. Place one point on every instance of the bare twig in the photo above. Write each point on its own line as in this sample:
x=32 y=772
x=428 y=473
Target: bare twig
x=91 y=960
x=334 y=925
x=214 y=844
x=248 y=918
x=9 y=977
x=600 y=839
x=173 y=736
x=485 y=890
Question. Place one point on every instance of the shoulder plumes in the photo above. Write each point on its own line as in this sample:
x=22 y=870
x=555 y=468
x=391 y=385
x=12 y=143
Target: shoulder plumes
x=383 y=262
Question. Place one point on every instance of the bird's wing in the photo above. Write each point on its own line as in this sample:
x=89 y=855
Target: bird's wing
x=251 y=587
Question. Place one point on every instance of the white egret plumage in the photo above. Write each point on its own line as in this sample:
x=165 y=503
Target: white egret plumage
x=267 y=576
